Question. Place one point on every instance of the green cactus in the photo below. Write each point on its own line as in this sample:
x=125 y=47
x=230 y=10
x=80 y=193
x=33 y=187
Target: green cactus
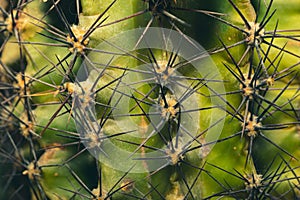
x=118 y=99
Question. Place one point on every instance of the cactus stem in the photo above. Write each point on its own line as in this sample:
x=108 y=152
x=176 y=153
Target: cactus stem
x=255 y=33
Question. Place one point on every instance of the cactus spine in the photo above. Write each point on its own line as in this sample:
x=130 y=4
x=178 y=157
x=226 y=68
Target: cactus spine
x=116 y=99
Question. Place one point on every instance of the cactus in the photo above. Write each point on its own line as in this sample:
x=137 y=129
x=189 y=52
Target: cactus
x=149 y=99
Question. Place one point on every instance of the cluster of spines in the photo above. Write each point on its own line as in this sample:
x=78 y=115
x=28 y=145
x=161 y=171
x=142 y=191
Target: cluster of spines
x=20 y=103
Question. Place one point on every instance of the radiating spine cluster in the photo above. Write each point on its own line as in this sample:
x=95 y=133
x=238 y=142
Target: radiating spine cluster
x=90 y=110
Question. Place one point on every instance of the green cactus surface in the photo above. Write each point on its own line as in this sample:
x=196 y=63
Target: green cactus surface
x=149 y=99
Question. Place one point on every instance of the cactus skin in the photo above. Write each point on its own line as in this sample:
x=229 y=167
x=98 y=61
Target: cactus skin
x=52 y=147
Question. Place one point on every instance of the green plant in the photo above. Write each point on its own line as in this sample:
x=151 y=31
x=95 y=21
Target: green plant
x=115 y=100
